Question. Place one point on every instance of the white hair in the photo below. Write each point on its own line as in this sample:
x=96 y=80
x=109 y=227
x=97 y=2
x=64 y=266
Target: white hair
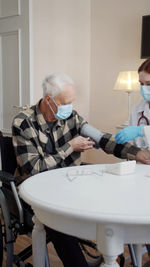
x=54 y=83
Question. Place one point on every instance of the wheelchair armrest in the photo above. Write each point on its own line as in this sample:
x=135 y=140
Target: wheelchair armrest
x=6 y=177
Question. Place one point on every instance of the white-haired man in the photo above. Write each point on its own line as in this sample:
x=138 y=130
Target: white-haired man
x=52 y=135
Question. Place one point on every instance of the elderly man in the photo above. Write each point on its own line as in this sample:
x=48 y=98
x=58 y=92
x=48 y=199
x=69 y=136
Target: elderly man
x=51 y=135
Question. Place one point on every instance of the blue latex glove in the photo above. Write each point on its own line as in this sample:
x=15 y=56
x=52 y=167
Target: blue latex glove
x=129 y=133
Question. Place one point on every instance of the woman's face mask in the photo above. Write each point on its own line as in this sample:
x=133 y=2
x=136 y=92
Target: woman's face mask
x=145 y=92
x=63 y=111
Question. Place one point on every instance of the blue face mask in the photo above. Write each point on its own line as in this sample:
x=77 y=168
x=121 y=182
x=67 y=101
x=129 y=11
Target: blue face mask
x=145 y=92
x=63 y=111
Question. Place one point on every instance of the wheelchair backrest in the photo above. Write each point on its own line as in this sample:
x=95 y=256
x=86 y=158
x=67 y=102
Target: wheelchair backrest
x=9 y=164
x=8 y=158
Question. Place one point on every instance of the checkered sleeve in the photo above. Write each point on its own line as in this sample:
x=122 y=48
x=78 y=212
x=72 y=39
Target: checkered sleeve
x=80 y=121
x=124 y=151
x=31 y=158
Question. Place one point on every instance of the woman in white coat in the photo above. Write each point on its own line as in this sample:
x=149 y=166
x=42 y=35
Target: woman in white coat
x=139 y=129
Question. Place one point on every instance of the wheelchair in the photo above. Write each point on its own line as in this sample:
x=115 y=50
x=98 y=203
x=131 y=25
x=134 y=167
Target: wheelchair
x=16 y=216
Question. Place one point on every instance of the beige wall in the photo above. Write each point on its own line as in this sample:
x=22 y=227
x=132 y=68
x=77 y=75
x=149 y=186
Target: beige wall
x=115 y=39
x=62 y=44
x=91 y=40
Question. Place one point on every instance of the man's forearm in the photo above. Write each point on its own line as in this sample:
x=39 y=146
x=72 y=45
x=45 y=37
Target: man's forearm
x=124 y=151
x=108 y=144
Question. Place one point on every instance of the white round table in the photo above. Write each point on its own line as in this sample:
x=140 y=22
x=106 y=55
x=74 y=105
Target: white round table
x=89 y=203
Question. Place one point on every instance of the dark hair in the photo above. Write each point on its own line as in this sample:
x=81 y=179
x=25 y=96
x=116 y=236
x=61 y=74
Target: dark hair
x=145 y=66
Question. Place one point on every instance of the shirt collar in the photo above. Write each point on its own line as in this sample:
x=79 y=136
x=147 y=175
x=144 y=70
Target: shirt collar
x=60 y=123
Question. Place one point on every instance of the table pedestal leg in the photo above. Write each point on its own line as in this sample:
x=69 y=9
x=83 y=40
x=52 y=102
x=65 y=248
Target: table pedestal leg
x=38 y=243
x=110 y=241
x=110 y=261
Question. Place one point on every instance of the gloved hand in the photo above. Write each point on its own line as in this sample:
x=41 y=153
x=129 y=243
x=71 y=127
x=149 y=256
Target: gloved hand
x=128 y=133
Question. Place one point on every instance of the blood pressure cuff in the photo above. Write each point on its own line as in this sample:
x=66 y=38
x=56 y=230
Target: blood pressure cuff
x=89 y=131
x=106 y=142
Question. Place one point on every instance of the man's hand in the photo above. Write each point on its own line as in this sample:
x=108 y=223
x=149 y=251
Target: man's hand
x=81 y=143
x=143 y=156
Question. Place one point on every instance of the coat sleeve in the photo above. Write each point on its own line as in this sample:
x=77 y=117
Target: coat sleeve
x=124 y=151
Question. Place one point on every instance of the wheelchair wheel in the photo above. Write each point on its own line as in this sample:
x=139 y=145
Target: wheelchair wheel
x=6 y=240
x=1 y=246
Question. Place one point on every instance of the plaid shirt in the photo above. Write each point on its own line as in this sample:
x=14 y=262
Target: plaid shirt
x=30 y=137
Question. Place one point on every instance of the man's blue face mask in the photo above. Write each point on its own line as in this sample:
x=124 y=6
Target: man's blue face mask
x=63 y=111
x=145 y=92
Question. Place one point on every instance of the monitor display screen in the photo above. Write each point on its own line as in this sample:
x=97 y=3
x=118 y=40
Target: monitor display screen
x=145 y=40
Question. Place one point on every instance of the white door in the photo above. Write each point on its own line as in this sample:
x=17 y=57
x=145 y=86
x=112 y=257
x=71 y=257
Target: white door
x=15 y=59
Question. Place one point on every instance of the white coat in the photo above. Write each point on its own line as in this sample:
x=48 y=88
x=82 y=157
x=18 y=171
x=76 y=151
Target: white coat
x=141 y=106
